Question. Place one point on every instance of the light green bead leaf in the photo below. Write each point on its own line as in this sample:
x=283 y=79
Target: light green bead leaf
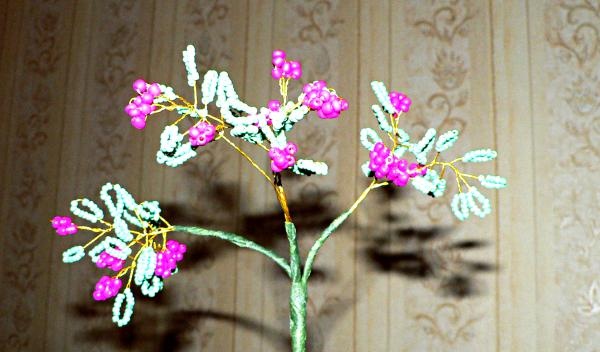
x=310 y=167
x=381 y=119
x=368 y=138
x=479 y=155
x=446 y=140
x=492 y=181
x=73 y=254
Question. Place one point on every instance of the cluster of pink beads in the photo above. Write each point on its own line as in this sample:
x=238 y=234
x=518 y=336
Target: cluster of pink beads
x=166 y=260
x=400 y=101
x=201 y=134
x=142 y=104
x=326 y=103
x=106 y=288
x=283 y=68
x=106 y=260
x=281 y=159
x=387 y=165
x=64 y=225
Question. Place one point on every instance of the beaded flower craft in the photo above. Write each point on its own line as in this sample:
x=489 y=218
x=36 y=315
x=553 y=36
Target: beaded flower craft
x=135 y=246
x=142 y=253
x=265 y=127
x=387 y=163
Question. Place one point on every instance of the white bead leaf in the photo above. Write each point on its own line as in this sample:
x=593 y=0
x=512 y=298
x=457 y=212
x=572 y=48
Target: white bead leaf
x=368 y=138
x=403 y=137
x=492 y=181
x=425 y=144
x=73 y=254
x=381 y=119
x=446 y=140
x=93 y=212
x=306 y=167
x=479 y=155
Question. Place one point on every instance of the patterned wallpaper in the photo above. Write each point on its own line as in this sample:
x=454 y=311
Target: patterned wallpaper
x=403 y=275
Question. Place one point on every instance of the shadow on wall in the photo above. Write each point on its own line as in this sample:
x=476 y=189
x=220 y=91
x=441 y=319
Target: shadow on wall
x=419 y=254
x=425 y=254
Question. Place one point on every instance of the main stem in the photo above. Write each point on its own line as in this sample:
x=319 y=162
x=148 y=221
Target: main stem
x=298 y=293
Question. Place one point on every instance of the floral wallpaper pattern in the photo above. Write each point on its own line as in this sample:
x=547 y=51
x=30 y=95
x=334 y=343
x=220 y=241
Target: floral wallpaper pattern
x=440 y=295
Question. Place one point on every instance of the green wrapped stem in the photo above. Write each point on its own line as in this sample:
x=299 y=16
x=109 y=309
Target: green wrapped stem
x=298 y=293
x=238 y=241
x=298 y=299
x=312 y=254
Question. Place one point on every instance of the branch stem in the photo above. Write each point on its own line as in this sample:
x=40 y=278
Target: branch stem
x=238 y=241
x=312 y=254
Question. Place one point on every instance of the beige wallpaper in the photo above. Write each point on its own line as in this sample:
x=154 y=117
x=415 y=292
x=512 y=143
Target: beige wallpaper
x=522 y=77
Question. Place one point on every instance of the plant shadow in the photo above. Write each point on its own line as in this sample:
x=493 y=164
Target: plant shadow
x=428 y=254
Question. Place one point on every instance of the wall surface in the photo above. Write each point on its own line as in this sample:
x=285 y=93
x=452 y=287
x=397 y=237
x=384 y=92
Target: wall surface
x=522 y=77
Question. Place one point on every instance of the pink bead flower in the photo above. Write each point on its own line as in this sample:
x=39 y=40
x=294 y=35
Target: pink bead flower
x=64 y=225
x=201 y=134
x=141 y=106
x=400 y=101
x=166 y=260
x=283 y=68
x=106 y=260
x=107 y=287
x=387 y=165
x=325 y=102
x=281 y=159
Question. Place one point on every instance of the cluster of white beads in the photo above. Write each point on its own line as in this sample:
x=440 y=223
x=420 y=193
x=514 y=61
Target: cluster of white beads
x=430 y=184
x=464 y=203
x=167 y=93
x=209 y=86
x=73 y=254
x=368 y=138
x=295 y=116
x=381 y=118
x=149 y=210
x=116 y=248
x=115 y=210
x=189 y=60
x=94 y=253
x=492 y=181
x=479 y=155
x=152 y=286
x=307 y=167
x=145 y=266
x=382 y=95
x=127 y=297
x=446 y=140
x=423 y=146
x=172 y=152
x=93 y=215
x=121 y=230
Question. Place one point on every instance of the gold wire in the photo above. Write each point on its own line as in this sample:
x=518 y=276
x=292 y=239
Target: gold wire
x=247 y=158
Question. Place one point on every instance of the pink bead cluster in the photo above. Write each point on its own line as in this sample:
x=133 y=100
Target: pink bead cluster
x=387 y=165
x=201 y=134
x=106 y=288
x=64 y=225
x=281 y=159
x=325 y=102
x=283 y=68
x=142 y=104
x=400 y=101
x=106 y=260
x=166 y=260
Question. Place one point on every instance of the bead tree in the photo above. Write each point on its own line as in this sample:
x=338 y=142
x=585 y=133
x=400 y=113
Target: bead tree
x=135 y=244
